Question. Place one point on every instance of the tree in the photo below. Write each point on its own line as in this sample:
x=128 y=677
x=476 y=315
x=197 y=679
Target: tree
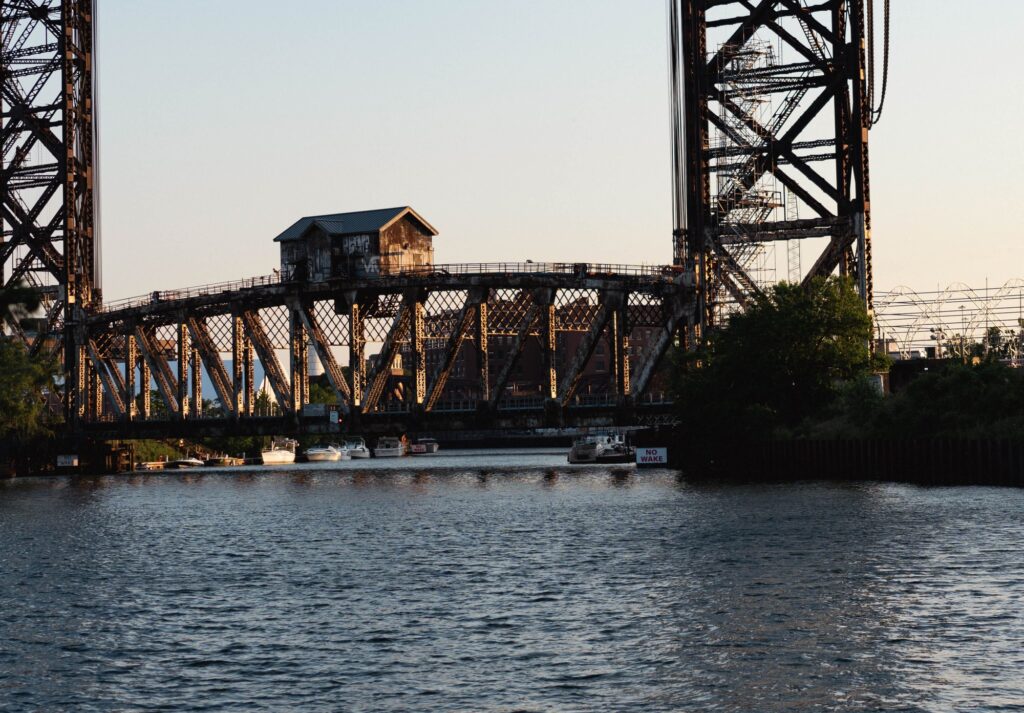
x=775 y=365
x=157 y=405
x=24 y=377
x=18 y=301
x=321 y=394
x=264 y=406
x=983 y=400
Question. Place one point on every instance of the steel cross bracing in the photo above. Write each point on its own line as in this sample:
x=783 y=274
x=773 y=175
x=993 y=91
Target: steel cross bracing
x=770 y=96
x=449 y=351
x=47 y=178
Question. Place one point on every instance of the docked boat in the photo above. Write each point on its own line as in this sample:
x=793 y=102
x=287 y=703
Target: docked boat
x=389 y=447
x=222 y=461
x=182 y=463
x=322 y=453
x=424 y=446
x=601 y=448
x=279 y=453
x=356 y=448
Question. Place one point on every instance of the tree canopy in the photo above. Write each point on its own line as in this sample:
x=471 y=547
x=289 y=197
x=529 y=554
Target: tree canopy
x=23 y=377
x=776 y=364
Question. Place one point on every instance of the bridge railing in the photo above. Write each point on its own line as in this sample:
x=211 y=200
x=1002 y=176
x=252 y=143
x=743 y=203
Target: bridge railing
x=579 y=269
x=197 y=291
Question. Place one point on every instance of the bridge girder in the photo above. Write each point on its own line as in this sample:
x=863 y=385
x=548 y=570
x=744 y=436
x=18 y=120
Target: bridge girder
x=425 y=330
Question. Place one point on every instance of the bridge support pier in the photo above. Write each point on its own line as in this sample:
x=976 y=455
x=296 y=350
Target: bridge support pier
x=483 y=360
x=356 y=351
x=184 y=352
x=298 y=359
x=130 y=365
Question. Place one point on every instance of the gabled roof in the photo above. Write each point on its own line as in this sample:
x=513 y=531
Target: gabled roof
x=363 y=221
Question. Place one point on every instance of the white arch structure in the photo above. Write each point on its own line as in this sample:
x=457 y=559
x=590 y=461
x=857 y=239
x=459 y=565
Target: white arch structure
x=958 y=314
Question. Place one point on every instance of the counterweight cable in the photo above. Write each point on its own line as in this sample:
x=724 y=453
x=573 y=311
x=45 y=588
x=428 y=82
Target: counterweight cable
x=876 y=110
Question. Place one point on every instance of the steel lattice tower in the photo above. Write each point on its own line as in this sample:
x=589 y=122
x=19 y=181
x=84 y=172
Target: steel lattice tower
x=770 y=98
x=48 y=175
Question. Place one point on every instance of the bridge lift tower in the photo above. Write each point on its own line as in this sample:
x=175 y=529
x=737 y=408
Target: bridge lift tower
x=772 y=101
x=47 y=181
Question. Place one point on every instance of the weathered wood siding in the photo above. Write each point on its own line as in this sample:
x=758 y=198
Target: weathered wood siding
x=405 y=245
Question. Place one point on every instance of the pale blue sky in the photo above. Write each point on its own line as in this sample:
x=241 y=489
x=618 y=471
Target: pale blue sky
x=522 y=129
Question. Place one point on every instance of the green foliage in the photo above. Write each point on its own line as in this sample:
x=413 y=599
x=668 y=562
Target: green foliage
x=25 y=379
x=157 y=405
x=18 y=301
x=985 y=400
x=148 y=450
x=234 y=445
x=321 y=393
x=263 y=405
x=777 y=364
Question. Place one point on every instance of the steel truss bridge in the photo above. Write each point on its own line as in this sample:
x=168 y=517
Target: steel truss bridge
x=430 y=317
x=745 y=121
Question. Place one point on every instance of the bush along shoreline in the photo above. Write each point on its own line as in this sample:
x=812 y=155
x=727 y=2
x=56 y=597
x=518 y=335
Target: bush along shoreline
x=789 y=389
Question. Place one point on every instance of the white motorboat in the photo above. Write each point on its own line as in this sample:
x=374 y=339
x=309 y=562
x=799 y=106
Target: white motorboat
x=389 y=447
x=280 y=453
x=424 y=446
x=322 y=453
x=185 y=463
x=343 y=453
x=601 y=448
x=356 y=448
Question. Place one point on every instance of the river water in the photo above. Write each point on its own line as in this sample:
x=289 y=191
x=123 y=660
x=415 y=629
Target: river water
x=505 y=582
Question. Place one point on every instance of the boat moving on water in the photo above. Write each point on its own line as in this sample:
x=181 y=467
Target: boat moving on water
x=601 y=448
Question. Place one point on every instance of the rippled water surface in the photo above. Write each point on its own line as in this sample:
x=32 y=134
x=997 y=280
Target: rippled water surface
x=505 y=583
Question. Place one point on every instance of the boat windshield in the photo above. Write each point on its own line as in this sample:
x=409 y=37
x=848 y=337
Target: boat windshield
x=603 y=439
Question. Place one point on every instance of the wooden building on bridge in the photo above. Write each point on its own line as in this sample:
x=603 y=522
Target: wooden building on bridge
x=357 y=244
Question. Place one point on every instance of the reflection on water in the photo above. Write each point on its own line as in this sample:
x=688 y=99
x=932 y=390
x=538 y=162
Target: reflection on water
x=505 y=582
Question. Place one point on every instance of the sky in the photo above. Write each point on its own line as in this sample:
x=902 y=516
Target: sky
x=524 y=130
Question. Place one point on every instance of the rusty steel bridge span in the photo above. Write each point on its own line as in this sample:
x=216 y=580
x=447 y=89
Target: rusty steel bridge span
x=427 y=320
x=772 y=102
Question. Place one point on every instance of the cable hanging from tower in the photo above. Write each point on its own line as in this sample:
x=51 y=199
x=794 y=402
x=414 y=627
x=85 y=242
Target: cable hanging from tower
x=876 y=109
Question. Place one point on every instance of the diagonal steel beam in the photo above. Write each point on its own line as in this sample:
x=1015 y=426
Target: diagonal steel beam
x=677 y=310
x=610 y=302
x=533 y=314
x=160 y=370
x=382 y=370
x=211 y=359
x=268 y=358
x=110 y=387
x=463 y=326
x=323 y=352
x=116 y=375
